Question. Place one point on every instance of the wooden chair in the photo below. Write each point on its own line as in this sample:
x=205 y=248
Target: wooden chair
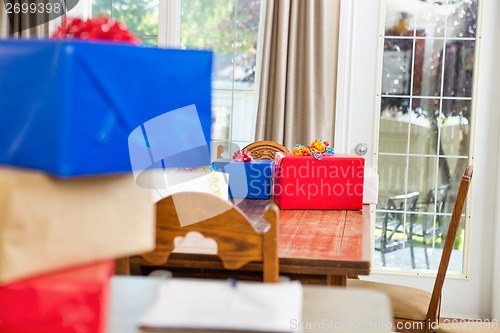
x=238 y=242
x=411 y=304
x=265 y=150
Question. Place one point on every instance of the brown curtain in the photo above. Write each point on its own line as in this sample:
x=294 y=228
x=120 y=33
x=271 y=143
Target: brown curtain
x=4 y=22
x=27 y=25
x=299 y=68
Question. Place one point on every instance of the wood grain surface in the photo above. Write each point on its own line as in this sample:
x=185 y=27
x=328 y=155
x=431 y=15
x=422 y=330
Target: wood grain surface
x=327 y=244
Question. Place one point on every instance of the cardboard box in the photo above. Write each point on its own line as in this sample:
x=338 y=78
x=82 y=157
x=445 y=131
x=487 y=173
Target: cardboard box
x=47 y=223
x=69 y=301
x=68 y=107
x=304 y=182
x=247 y=179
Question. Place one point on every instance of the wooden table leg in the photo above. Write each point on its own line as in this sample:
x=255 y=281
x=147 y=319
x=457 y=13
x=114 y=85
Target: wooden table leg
x=336 y=280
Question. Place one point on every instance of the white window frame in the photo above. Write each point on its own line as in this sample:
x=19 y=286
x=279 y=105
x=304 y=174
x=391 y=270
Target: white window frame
x=169 y=23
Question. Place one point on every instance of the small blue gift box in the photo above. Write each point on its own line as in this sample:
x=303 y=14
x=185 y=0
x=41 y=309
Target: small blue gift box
x=247 y=179
x=68 y=107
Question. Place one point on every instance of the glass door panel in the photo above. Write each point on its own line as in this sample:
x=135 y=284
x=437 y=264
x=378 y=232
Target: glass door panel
x=424 y=126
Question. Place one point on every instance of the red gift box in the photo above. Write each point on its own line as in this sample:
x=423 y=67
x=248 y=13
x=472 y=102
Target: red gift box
x=69 y=301
x=332 y=182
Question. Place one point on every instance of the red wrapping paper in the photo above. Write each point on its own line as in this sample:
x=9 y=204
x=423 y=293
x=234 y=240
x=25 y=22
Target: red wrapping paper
x=304 y=182
x=69 y=301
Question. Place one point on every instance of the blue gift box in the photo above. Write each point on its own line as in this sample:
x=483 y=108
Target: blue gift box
x=68 y=107
x=247 y=179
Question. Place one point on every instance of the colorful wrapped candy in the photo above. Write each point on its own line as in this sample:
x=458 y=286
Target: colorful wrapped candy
x=318 y=148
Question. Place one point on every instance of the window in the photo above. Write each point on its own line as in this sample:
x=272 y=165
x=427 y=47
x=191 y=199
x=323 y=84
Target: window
x=231 y=29
x=424 y=129
x=141 y=16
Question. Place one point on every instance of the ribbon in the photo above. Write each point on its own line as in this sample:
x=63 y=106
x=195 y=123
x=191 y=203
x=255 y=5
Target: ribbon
x=215 y=186
x=317 y=149
x=242 y=155
x=98 y=28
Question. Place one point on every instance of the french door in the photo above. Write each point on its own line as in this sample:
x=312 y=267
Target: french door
x=414 y=75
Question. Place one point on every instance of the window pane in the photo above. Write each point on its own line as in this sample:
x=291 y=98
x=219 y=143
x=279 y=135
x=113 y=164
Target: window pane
x=427 y=75
x=423 y=129
x=102 y=7
x=246 y=33
x=455 y=128
x=149 y=40
x=399 y=21
x=430 y=19
x=435 y=199
x=422 y=178
x=450 y=172
x=457 y=254
x=207 y=23
x=463 y=18
x=458 y=68
x=394 y=125
x=416 y=256
x=392 y=175
x=390 y=238
x=140 y=16
x=396 y=70
x=221 y=118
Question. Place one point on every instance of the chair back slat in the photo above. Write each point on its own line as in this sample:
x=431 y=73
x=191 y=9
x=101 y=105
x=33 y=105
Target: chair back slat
x=265 y=150
x=433 y=311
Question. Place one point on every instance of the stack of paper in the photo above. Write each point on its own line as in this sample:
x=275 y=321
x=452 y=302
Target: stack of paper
x=223 y=305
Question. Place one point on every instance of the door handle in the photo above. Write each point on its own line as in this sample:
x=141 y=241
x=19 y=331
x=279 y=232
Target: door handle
x=361 y=149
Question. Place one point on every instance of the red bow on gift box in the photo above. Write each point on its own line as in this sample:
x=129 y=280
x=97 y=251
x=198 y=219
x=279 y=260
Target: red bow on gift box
x=318 y=148
x=242 y=156
x=98 y=28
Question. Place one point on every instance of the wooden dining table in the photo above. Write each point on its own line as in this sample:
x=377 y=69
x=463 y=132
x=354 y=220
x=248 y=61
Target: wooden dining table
x=315 y=246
